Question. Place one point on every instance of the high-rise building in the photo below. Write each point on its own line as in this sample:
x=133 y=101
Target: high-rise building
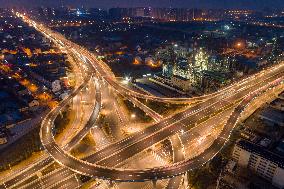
x=140 y=12
x=266 y=164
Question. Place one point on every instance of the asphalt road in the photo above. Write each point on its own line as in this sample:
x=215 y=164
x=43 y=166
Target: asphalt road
x=140 y=141
x=113 y=159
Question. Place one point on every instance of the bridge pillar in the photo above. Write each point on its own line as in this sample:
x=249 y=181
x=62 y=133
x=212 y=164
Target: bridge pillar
x=61 y=114
x=185 y=179
x=154 y=184
x=111 y=184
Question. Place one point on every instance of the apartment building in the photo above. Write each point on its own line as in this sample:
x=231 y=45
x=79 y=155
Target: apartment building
x=263 y=162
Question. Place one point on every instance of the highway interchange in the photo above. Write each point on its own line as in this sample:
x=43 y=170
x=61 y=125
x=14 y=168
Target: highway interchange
x=103 y=164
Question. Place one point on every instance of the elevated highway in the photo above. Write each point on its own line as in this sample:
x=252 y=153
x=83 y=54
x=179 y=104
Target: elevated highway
x=102 y=164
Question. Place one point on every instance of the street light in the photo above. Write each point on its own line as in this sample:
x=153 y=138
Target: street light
x=127 y=78
x=239 y=45
x=133 y=116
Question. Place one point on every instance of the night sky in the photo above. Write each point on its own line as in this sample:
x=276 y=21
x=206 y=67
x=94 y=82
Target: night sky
x=247 y=4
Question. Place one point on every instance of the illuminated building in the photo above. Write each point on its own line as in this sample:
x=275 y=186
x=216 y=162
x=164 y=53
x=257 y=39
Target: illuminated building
x=198 y=68
x=182 y=68
x=201 y=60
x=137 y=60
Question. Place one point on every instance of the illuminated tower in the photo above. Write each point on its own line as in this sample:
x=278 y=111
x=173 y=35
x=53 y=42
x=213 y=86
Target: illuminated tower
x=61 y=3
x=201 y=60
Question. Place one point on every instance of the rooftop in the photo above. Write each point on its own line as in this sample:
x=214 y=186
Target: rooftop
x=261 y=151
x=273 y=115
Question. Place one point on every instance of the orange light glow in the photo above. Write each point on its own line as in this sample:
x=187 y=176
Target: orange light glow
x=33 y=88
x=136 y=62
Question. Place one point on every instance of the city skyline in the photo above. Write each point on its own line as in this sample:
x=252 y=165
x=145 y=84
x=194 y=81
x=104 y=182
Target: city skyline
x=212 y=4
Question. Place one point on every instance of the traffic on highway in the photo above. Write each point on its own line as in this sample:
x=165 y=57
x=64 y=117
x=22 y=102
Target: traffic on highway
x=225 y=106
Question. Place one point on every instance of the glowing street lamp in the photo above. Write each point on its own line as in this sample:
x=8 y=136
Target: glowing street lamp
x=239 y=45
x=133 y=116
x=126 y=80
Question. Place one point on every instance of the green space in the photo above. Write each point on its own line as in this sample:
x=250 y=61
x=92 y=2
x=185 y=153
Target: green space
x=88 y=139
x=29 y=180
x=207 y=175
x=79 y=150
x=62 y=120
x=89 y=184
x=161 y=107
x=20 y=150
x=139 y=114
x=29 y=144
x=107 y=129
x=50 y=168
x=85 y=146
x=84 y=178
x=105 y=124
